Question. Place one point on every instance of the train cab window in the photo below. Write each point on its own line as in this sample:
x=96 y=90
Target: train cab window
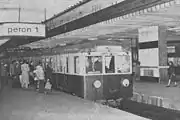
x=123 y=63
x=109 y=64
x=93 y=64
x=76 y=65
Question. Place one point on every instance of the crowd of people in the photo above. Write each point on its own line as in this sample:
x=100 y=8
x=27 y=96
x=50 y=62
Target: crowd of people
x=27 y=75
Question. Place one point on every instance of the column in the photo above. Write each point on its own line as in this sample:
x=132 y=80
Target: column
x=163 y=58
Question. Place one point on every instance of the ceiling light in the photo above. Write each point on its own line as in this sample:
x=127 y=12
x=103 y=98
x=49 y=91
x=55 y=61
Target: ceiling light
x=92 y=38
x=145 y=11
x=149 y=9
x=154 y=8
x=162 y=6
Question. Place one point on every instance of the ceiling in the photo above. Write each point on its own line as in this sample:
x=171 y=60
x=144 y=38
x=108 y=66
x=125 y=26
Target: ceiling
x=124 y=26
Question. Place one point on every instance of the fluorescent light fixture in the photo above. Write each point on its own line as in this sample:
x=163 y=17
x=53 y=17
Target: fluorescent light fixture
x=145 y=10
x=92 y=39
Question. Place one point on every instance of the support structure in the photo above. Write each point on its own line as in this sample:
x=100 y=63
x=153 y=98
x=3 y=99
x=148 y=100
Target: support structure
x=153 y=53
x=163 y=58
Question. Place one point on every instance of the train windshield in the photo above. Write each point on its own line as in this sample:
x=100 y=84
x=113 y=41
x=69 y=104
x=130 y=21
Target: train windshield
x=123 y=63
x=109 y=64
x=120 y=63
x=94 y=64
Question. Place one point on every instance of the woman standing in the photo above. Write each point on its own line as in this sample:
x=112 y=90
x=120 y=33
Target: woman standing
x=40 y=77
x=25 y=74
x=171 y=73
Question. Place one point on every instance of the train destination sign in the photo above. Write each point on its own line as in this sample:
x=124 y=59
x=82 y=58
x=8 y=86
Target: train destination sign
x=22 y=29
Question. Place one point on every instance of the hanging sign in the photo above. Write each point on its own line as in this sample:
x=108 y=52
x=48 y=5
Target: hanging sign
x=22 y=29
x=171 y=49
x=148 y=34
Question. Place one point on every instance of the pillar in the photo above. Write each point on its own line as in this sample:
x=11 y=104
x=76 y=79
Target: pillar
x=135 y=61
x=163 y=57
x=153 y=52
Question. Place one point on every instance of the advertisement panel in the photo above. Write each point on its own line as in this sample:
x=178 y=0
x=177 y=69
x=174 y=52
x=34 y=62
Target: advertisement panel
x=22 y=29
x=149 y=59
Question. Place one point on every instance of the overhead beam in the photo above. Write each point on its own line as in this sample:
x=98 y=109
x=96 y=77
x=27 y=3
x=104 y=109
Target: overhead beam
x=117 y=10
x=120 y=9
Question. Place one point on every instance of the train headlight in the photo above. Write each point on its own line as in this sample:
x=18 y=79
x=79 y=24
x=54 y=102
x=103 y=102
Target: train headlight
x=125 y=82
x=97 y=84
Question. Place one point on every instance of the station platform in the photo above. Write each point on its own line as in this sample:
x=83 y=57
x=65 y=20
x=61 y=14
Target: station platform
x=18 y=104
x=157 y=94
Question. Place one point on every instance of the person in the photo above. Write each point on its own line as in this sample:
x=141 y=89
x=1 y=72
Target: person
x=48 y=87
x=4 y=73
x=25 y=75
x=12 y=72
x=40 y=76
x=12 y=69
x=17 y=71
x=31 y=75
x=98 y=65
x=48 y=73
x=171 y=73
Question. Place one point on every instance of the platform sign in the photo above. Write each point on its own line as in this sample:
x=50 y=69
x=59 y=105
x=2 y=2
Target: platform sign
x=148 y=34
x=22 y=29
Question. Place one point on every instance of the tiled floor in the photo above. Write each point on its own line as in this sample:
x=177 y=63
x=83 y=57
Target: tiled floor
x=18 y=104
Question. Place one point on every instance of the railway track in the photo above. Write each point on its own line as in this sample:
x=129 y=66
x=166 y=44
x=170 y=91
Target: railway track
x=149 y=111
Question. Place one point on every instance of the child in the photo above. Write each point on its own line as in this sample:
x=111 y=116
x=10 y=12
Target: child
x=48 y=87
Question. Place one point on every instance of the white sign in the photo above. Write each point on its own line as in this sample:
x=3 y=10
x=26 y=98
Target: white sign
x=149 y=57
x=147 y=34
x=22 y=29
x=171 y=49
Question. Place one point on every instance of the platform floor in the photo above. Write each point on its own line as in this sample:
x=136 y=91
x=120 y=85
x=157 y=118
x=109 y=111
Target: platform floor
x=18 y=104
x=170 y=95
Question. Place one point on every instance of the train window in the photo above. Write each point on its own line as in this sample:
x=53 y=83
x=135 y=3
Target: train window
x=71 y=64
x=93 y=64
x=52 y=61
x=123 y=63
x=63 y=61
x=67 y=65
x=76 y=65
x=109 y=64
x=55 y=63
x=60 y=64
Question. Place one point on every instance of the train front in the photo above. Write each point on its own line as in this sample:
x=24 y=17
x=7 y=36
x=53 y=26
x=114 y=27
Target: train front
x=109 y=74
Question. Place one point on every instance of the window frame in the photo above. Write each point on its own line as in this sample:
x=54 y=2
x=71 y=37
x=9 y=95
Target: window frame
x=121 y=54
x=115 y=54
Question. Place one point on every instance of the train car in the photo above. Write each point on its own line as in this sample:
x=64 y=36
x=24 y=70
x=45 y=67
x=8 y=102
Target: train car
x=93 y=70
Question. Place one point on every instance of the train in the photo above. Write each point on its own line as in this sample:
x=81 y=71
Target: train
x=90 y=69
